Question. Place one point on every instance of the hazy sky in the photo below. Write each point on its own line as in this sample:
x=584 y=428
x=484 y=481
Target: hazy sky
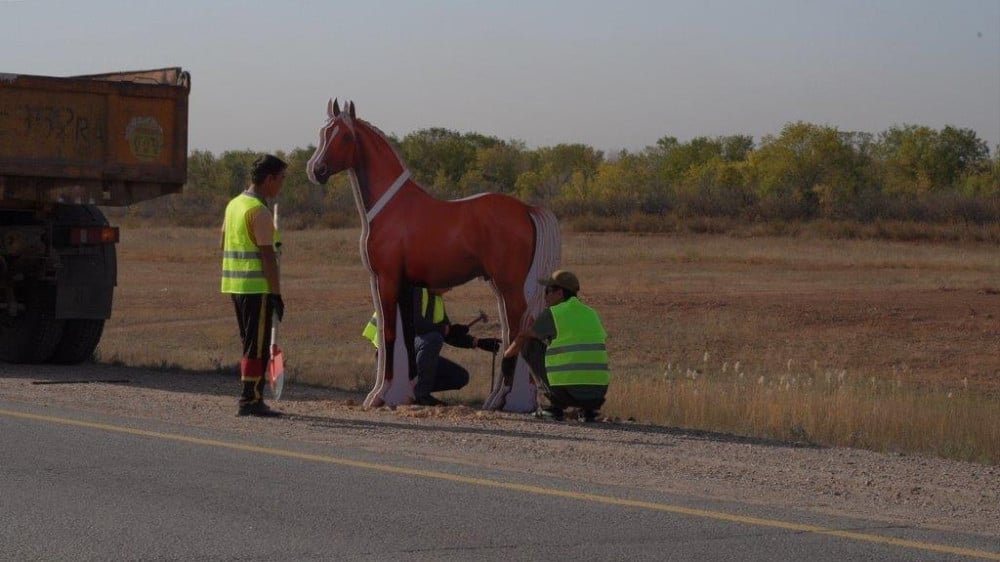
x=610 y=74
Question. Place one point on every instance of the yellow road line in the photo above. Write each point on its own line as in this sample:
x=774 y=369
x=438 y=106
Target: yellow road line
x=538 y=490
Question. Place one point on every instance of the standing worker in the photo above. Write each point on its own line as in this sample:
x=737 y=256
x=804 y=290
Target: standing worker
x=565 y=351
x=250 y=245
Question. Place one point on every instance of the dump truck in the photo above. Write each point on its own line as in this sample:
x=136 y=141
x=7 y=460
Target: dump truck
x=69 y=146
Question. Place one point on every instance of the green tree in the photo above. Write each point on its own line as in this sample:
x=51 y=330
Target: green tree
x=717 y=188
x=496 y=168
x=439 y=158
x=235 y=170
x=620 y=187
x=736 y=148
x=810 y=168
x=550 y=168
x=205 y=175
x=672 y=160
x=918 y=159
x=302 y=203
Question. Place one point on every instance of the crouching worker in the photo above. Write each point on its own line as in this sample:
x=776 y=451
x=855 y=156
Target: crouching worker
x=565 y=351
x=433 y=329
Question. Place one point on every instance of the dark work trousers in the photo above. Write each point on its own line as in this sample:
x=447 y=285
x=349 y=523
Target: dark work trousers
x=435 y=373
x=584 y=396
x=253 y=314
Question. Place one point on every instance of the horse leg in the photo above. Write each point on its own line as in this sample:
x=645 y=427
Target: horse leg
x=386 y=311
x=392 y=384
x=523 y=393
x=514 y=391
x=404 y=370
x=396 y=365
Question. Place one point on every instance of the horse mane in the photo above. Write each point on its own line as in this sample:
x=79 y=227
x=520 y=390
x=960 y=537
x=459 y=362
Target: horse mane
x=385 y=139
x=399 y=157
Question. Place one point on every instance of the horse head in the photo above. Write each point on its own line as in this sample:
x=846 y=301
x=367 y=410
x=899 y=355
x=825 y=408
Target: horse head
x=336 y=149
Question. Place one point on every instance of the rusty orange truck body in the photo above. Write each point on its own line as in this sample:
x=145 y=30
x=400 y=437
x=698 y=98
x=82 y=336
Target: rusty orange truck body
x=67 y=147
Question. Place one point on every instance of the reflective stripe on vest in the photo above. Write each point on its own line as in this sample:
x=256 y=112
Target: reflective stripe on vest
x=371 y=330
x=242 y=268
x=577 y=355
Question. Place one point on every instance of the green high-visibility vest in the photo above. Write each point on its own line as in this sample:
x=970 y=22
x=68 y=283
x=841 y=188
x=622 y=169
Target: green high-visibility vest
x=371 y=330
x=242 y=267
x=577 y=355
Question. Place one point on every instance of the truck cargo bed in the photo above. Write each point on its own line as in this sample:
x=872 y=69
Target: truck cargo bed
x=107 y=139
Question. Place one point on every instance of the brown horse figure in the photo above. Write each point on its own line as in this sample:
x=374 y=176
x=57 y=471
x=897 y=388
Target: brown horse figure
x=410 y=238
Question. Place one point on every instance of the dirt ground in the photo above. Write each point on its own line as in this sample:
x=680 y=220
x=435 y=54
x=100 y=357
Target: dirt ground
x=915 y=313
x=896 y=489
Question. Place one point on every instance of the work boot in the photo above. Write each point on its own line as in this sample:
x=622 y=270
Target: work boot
x=258 y=409
x=429 y=401
x=550 y=413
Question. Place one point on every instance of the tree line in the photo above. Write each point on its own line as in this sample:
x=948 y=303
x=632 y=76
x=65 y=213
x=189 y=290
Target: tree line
x=908 y=173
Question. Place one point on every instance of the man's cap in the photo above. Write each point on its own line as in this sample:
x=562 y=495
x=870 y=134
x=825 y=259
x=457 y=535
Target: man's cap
x=562 y=278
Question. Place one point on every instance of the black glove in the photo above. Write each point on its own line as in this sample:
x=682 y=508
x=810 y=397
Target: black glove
x=458 y=330
x=277 y=305
x=489 y=344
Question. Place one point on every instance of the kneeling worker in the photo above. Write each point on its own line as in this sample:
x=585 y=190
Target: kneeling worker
x=432 y=329
x=565 y=351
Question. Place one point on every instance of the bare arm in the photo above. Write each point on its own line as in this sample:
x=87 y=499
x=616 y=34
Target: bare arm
x=542 y=329
x=518 y=343
x=269 y=260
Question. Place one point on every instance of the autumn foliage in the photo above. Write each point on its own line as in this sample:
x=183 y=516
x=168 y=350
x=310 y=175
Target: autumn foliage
x=908 y=174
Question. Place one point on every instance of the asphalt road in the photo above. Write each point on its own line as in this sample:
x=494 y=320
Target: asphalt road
x=75 y=486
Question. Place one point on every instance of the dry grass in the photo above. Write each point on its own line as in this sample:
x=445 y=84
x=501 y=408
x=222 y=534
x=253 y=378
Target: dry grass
x=920 y=320
x=819 y=406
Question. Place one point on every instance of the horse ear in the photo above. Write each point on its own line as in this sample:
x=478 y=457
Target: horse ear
x=332 y=108
x=351 y=109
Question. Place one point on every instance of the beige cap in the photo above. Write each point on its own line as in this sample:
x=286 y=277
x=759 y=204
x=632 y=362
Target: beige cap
x=562 y=278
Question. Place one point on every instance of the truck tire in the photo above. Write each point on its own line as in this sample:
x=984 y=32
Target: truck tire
x=86 y=281
x=79 y=340
x=33 y=335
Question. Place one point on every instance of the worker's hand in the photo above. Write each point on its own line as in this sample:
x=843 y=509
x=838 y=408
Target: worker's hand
x=489 y=344
x=277 y=305
x=457 y=330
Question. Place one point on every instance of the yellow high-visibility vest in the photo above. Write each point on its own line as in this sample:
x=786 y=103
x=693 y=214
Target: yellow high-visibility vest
x=437 y=315
x=371 y=330
x=242 y=267
x=426 y=298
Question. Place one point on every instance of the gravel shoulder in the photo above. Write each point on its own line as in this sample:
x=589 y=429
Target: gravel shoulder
x=900 y=489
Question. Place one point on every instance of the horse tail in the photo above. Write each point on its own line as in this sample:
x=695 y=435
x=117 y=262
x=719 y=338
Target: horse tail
x=546 y=259
x=519 y=396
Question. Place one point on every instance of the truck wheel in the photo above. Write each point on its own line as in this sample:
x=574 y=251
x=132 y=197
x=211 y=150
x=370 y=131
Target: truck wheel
x=32 y=336
x=79 y=340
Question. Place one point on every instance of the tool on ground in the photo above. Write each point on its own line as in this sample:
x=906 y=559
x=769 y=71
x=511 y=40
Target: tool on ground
x=276 y=366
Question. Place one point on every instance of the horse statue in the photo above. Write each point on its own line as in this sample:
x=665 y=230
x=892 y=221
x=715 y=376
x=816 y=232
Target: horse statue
x=411 y=239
